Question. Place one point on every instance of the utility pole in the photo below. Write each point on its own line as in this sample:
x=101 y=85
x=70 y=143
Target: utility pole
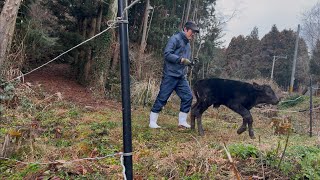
x=125 y=88
x=273 y=62
x=294 y=61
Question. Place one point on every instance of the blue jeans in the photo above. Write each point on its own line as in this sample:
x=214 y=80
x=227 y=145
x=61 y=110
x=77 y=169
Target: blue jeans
x=168 y=85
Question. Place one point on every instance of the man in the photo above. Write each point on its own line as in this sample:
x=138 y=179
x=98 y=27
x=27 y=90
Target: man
x=177 y=56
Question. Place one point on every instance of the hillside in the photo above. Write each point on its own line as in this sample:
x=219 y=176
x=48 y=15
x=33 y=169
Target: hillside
x=55 y=121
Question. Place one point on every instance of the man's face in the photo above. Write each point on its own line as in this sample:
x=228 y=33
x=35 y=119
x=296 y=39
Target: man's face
x=189 y=33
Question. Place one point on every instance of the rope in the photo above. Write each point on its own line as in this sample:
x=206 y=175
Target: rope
x=110 y=23
x=60 y=55
x=123 y=168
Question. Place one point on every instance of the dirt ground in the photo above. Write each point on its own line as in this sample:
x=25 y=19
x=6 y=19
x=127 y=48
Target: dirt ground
x=167 y=151
x=56 y=78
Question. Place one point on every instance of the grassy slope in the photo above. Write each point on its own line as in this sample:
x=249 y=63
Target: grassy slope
x=66 y=132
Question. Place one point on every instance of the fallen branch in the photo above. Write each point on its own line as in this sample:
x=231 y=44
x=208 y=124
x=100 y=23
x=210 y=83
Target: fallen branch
x=235 y=170
x=261 y=159
x=284 y=150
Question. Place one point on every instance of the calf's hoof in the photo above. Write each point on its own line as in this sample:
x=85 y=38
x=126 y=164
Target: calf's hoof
x=241 y=129
x=201 y=133
x=251 y=134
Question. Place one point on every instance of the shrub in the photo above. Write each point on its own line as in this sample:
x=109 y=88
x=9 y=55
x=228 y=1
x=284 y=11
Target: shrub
x=243 y=151
x=300 y=162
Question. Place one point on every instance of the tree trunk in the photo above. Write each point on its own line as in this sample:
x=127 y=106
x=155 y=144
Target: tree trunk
x=181 y=24
x=195 y=12
x=174 y=4
x=145 y=27
x=143 y=40
x=187 y=11
x=89 y=58
x=99 y=19
x=81 y=57
x=7 y=25
x=102 y=55
x=115 y=59
x=114 y=50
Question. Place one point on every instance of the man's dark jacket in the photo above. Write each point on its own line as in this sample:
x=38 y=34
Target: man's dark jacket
x=177 y=47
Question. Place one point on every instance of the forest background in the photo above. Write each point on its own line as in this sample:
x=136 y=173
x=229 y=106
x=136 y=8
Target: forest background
x=71 y=122
x=44 y=29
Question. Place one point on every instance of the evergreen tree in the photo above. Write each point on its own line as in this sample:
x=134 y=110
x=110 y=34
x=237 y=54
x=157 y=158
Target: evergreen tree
x=287 y=47
x=241 y=56
x=276 y=44
x=268 y=48
x=236 y=57
x=283 y=67
x=210 y=34
x=251 y=55
x=81 y=20
x=302 y=66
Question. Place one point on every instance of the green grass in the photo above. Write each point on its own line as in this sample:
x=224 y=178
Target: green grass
x=166 y=153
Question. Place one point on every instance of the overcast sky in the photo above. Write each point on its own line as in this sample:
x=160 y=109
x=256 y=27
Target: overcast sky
x=286 y=14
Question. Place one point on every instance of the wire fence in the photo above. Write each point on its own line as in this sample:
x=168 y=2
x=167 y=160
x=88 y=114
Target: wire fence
x=309 y=118
x=111 y=25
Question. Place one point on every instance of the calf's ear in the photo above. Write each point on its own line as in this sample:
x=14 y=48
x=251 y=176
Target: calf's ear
x=256 y=86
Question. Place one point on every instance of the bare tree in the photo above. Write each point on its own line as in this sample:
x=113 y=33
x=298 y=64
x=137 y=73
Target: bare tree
x=311 y=25
x=7 y=25
x=187 y=11
x=144 y=38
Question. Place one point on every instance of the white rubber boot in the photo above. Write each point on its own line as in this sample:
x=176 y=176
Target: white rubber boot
x=153 y=120
x=183 y=120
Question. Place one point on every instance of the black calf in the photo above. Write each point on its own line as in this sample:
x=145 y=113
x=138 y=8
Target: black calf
x=236 y=95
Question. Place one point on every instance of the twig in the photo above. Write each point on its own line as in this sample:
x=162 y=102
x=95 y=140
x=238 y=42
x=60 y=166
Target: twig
x=263 y=174
x=146 y=97
x=284 y=150
x=196 y=140
x=235 y=170
x=278 y=147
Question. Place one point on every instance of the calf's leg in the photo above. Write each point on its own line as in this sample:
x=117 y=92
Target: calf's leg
x=247 y=119
x=250 y=122
x=193 y=117
x=199 y=124
x=197 y=111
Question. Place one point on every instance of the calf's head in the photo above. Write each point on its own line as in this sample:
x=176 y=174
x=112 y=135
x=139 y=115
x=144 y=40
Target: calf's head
x=266 y=94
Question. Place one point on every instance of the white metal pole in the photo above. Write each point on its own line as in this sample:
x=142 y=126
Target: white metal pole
x=274 y=59
x=294 y=61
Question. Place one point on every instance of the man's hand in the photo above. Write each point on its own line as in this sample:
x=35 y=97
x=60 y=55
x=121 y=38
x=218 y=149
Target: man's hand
x=185 y=61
